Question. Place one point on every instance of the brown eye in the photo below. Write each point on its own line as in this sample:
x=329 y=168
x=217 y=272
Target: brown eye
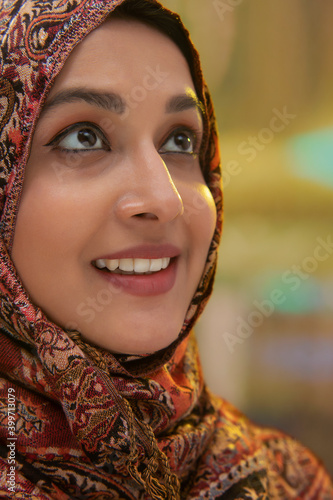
x=80 y=137
x=87 y=137
x=180 y=141
x=183 y=142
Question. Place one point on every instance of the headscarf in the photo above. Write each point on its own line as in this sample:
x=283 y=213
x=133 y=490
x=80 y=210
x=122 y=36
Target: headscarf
x=89 y=424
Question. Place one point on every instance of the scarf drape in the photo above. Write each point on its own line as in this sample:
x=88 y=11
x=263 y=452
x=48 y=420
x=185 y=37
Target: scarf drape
x=77 y=421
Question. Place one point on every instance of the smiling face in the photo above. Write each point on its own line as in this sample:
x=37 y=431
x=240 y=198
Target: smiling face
x=115 y=219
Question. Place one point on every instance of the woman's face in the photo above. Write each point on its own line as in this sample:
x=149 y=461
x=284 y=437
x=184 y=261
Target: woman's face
x=115 y=219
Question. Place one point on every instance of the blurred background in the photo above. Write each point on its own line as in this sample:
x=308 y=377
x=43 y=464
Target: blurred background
x=266 y=337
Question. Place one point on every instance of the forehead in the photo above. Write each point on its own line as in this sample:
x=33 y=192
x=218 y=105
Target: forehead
x=125 y=53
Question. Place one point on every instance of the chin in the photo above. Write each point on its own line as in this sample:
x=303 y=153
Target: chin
x=134 y=342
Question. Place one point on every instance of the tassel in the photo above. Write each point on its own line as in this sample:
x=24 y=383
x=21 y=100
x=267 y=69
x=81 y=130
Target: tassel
x=154 y=487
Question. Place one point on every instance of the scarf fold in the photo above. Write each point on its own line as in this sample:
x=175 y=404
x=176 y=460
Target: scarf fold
x=90 y=424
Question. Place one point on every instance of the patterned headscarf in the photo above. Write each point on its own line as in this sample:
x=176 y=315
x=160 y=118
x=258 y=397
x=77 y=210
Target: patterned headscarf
x=75 y=420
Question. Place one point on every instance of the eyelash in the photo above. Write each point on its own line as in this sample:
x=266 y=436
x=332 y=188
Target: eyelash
x=191 y=131
x=54 y=142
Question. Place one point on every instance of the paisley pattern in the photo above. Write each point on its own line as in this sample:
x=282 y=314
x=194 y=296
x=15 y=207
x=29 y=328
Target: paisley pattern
x=91 y=425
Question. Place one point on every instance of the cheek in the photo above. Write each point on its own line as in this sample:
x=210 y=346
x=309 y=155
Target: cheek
x=52 y=211
x=200 y=215
x=49 y=233
x=42 y=220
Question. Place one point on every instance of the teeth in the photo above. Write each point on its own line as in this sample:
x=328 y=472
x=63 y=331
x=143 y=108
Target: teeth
x=134 y=265
x=155 y=265
x=126 y=265
x=165 y=262
x=111 y=264
x=100 y=263
x=141 y=265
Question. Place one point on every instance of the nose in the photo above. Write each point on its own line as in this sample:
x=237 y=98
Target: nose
x=149 y=191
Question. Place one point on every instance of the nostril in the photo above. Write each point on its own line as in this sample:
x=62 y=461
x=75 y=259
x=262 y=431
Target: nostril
x=146 y=215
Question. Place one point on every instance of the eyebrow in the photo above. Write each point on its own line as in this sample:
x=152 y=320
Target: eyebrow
x=113 y=102
x=184 y=102
x=106 y=100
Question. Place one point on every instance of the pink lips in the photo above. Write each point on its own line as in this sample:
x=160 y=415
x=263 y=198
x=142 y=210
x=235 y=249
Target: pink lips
x=146 y=284
x=144 y=252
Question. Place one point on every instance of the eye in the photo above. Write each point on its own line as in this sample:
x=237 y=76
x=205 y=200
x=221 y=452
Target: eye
x=180 y=141
x=80 y=137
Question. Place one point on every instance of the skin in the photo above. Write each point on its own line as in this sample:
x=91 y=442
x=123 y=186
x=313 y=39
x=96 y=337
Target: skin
x=139 y=189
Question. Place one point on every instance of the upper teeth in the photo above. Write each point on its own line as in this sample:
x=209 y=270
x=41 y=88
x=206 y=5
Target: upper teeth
x=134 y=265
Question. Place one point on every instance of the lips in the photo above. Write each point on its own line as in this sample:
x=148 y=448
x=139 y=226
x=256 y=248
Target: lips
x=142 y=271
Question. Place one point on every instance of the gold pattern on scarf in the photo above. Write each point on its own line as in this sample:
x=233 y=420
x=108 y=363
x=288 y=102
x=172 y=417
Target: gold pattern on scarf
x=7 y=97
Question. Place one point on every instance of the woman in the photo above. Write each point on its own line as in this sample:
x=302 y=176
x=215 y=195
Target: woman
x=110 y=222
